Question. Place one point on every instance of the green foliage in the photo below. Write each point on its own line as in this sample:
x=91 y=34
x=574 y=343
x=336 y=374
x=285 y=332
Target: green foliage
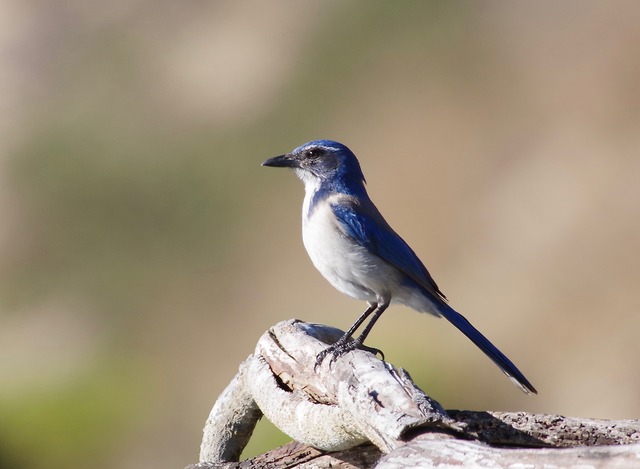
x=81 y=419
x=266 y=437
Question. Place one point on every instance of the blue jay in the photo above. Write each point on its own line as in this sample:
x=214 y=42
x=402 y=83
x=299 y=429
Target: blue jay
x=356 y=250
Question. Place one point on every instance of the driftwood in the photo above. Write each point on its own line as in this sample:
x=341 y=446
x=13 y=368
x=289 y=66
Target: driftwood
x=361 y=411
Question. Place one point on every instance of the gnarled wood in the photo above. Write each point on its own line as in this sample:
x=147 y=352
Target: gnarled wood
x=333 y=410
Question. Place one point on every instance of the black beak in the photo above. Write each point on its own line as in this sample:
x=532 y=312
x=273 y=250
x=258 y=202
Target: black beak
x=282 y=161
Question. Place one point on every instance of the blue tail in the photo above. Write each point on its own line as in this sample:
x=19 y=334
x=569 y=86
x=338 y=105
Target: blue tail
x=507 y=367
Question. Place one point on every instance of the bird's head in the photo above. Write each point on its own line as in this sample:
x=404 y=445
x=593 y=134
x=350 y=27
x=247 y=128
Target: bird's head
x=322 y=162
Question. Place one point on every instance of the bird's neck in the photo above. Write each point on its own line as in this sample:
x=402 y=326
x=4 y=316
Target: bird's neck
x=317 y=191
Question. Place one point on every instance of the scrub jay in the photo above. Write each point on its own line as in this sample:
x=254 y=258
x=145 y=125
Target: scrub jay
x=356 y=250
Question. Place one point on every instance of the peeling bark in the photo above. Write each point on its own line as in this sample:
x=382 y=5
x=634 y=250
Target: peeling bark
x=361 y=411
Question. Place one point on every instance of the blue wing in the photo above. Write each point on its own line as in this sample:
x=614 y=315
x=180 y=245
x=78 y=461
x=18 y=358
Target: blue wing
x=367 y=227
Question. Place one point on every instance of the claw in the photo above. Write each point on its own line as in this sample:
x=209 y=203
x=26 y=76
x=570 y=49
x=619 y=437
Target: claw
x=373 y=350
x=340 y=348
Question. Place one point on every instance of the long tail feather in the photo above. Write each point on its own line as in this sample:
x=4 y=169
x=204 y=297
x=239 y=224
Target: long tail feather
x=507 y=367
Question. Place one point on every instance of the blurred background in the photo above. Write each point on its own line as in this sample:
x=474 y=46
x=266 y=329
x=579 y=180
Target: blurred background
x=143 y=250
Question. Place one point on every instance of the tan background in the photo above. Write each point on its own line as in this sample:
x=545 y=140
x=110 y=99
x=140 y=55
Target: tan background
x=144 y=250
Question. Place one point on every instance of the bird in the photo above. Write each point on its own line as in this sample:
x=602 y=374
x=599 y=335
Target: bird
x=357 y=252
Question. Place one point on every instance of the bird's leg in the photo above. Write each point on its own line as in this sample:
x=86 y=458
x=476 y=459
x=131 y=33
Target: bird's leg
x=381 y=308
x=359 y=341
x=346 y=337
x=346 y=344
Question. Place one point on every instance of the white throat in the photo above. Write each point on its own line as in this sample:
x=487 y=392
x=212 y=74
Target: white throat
x=311 y=186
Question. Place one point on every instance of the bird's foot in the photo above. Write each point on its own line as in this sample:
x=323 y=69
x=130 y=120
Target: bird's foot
x=341 y=347
x=373 y=350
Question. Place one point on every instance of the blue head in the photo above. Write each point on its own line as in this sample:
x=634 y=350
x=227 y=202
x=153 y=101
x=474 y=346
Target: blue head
x=325 y=165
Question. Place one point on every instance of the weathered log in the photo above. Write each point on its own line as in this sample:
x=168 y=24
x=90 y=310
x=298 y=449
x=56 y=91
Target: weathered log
x=334 y=410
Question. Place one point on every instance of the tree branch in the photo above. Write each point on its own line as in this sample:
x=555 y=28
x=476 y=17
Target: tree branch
x=333 y=410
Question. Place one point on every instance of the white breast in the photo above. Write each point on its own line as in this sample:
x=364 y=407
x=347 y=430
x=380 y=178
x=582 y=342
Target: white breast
x=349 y=267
